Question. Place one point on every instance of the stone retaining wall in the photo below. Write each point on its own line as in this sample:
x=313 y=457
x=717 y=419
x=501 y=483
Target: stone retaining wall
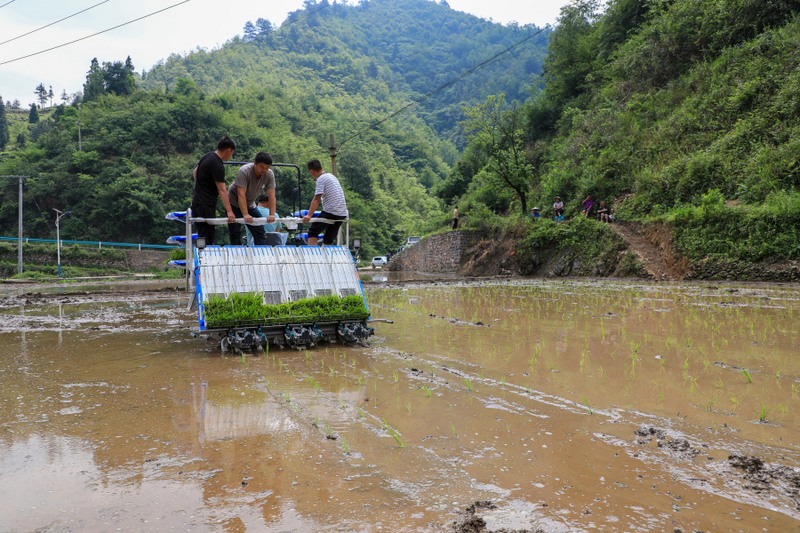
x=142 y=260
x=443 y=253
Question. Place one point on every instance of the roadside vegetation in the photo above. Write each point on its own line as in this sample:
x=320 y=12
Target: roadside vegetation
x=40 y=262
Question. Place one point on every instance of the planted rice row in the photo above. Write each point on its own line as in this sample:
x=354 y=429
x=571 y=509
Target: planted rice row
x=242 y=308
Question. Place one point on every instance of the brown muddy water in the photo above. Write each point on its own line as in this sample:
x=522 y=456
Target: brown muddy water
x=485 y=406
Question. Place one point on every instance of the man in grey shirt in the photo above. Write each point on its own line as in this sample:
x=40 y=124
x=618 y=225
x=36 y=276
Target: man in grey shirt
x=251 y=179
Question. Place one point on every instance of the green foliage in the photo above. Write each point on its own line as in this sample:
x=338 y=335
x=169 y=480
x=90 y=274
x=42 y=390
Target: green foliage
x=591 y=241
x=249 y=308
x=747 y=233
x=681 y=111
x=33 y=116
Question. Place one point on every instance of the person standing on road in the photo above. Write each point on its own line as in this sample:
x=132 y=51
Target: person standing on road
x=251 y=179
x=329 y=192
x=209 y=183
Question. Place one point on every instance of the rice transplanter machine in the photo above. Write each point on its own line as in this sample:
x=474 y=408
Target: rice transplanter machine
x=279 y=274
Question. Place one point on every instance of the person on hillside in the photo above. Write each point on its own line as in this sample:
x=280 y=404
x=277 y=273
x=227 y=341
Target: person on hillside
x=334 y=208
x=535 y=214
x=209 y=184
x=558 y=209
x=586 y=206
x=271 y=229
x=602 y=212
x=251 y=179
x=455 y=217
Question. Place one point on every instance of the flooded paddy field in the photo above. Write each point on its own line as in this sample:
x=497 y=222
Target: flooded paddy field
x=485 y=406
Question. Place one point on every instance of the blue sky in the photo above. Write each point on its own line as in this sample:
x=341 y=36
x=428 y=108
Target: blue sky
x=186 y=26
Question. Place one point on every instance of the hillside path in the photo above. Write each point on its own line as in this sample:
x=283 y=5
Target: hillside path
x=651 y=256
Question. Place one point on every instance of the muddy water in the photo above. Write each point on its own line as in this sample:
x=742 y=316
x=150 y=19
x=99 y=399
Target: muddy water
x=568 y=406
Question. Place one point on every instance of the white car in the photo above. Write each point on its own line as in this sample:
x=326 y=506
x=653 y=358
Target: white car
x=411 y=241
x=379 y=261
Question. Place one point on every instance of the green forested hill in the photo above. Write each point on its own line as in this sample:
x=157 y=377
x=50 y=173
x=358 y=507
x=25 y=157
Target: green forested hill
x=375 y=48
x=329 y=69
x=683 y=112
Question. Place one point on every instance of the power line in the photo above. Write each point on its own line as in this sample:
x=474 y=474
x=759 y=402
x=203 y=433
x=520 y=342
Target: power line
x=93 y=35
x=11 y=2
x=445 y=85
x=52 y=23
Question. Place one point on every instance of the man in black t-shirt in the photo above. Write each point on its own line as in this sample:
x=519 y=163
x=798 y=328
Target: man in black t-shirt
x=209 y=184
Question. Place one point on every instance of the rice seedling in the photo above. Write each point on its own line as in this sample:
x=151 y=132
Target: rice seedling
x=719 y=383
x=394 y=433
x=395 y=376
x=692 y=384
x=762 y=417
x=588 y=407
x=467 y=383
x=408 y=407
x=425 y=390
x=583 y=360
x=453 y=430
x=735 y=401
x=313 y=383
x=329 y=431
x=746 y=373
x=345 y=446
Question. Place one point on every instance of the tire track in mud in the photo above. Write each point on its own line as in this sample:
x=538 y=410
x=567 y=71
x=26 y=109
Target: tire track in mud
x=735 y=474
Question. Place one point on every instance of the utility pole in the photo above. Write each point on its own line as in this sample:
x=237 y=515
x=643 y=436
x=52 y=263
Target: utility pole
x=59 y=216
x=332 y=150
x=19 y=223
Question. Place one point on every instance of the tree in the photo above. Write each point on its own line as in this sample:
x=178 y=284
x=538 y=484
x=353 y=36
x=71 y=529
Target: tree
x=250 y=32
x=41 y=94
x=118 y=77
x=50 y=95
x=64 y=96
x=500 y=134
x=264 y=28
x=572 y=51
x=4 y=134
x=33 y=115
x=94 y=86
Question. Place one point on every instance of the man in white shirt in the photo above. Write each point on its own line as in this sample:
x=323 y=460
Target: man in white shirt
x=334 y=208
